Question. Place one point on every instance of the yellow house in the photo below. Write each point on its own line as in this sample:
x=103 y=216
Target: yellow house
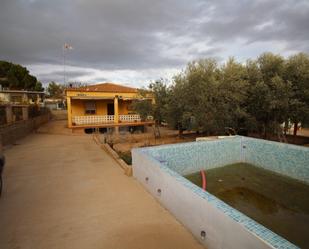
x=103 y=105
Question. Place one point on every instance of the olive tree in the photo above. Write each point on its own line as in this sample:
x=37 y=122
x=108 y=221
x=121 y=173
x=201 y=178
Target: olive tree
x=297 y=73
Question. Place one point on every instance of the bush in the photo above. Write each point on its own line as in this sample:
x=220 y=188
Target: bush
x=126 y=156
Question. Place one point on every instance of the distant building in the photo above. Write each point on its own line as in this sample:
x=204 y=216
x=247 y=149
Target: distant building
x=16 y=105
x=21 y=97
x=102 y=106
x=54 y=104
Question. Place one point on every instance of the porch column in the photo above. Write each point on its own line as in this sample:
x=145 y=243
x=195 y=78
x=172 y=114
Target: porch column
x=25 y=113
x=69 y=110
x=25 y=98
x=116 y=113
x=37 y=99
x=9 y=114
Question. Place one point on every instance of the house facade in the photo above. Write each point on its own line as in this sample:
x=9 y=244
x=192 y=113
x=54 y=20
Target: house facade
x=21 y=97
x=54 y=103
x=102 y=106
x=17 y=105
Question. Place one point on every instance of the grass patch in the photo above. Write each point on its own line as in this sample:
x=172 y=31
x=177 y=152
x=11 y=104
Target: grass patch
x=126 y=156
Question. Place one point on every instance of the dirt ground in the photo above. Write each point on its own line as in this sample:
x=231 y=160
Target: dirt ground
x=303 y=132
x=125 y=142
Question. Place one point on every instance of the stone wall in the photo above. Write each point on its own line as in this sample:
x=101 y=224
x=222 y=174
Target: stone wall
x=59 y=114
x=9 y=134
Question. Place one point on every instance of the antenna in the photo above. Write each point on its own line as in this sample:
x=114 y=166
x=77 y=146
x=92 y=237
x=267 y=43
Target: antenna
x=65 y=47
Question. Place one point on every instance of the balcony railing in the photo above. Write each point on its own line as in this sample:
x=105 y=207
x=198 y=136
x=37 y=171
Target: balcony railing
x=93 y=119
x=130 y=118
x=104 y=119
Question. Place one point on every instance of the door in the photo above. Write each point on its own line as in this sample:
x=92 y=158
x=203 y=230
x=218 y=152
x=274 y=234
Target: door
x=110 y=109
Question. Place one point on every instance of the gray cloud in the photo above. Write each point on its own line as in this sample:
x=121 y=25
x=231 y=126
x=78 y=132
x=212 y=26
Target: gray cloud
x=258 y=21
x=57 y=75
x=142 y=35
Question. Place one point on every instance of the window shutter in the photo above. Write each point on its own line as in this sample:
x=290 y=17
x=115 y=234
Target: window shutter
x=90 y=107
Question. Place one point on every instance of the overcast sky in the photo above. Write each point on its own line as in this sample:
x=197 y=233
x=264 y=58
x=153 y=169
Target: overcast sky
x=133 y=41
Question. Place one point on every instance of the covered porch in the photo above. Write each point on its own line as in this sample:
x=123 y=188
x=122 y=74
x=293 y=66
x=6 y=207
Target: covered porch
x=90 y=112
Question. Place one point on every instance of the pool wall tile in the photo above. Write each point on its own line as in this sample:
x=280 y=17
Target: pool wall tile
x=187 y=158
x=285 y=159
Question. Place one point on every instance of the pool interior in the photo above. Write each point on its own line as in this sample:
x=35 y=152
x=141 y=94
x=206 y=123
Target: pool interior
x=278 y=202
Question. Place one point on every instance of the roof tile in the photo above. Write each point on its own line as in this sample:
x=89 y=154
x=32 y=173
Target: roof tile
x=106 y=87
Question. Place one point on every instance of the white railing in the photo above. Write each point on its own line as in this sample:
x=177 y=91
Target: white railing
x=105 y=119
x=130 y=118
x=92 y=119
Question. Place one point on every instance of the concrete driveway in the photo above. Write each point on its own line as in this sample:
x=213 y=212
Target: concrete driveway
x=62 y=191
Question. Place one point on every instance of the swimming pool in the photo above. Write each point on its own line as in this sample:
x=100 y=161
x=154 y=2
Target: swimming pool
x=216 y=224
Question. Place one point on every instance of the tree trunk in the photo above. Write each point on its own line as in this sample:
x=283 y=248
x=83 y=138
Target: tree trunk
x=265 y=130
x=157 y=130
x=295 y=131
x=286 y=126
x=281 y=134
x=180 y=132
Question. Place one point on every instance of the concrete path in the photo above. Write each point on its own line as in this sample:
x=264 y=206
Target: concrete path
x=62 y=191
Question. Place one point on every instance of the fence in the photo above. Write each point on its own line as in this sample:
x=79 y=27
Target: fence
x=9 y=134
x=94 y=119
x=130 y=118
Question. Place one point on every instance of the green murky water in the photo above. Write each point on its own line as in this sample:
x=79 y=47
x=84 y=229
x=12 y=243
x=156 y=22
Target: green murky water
x=279 y=203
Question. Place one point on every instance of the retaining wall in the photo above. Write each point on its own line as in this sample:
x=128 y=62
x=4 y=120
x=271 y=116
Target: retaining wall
x=9 y=134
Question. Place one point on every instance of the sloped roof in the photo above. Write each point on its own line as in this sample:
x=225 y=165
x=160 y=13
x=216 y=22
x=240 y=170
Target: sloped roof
x=106 y=87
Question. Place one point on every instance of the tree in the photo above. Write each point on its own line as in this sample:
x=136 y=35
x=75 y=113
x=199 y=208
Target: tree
x=297 y=73
x=196 y=101
x=270 y=65
x=159 y=91
x=143 y=105
x=55 y=90
x=17 y=77
x=175 y=110
x=233 y=89
x=38 y=86
x=260 y=95
x=30 y=82
x=202 y=103
x=74 y=84
x=268 y=92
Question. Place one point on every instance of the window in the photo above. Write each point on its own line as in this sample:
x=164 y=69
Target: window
x=130 y=106
x=90 y=107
